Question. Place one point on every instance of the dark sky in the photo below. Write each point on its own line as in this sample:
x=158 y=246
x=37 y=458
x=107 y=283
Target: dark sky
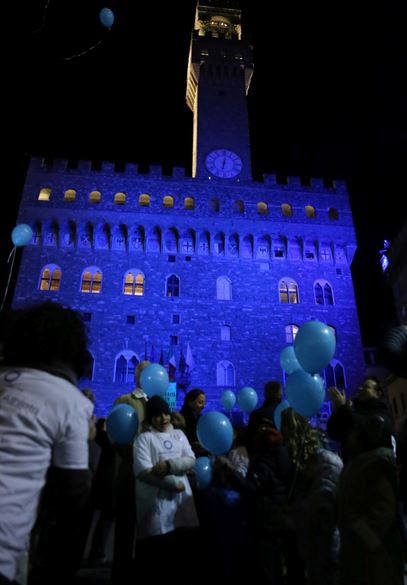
x=326 y=101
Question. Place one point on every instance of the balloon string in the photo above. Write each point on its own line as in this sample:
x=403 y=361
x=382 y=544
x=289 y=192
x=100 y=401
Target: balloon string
x=44 y=17
x=12 y=256
x=87 y=50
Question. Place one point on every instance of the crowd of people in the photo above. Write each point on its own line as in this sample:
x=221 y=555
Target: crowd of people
x=288 y=505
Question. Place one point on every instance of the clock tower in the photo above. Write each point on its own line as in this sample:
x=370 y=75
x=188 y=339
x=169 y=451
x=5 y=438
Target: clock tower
x=219 y=72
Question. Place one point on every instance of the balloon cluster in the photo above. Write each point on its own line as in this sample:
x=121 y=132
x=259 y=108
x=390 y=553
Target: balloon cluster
x=313 y=349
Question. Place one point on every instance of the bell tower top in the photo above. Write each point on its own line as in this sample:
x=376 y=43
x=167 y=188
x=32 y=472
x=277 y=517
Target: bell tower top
x=220 y=68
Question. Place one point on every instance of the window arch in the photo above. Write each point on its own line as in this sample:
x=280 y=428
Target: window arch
x=70 y=195
x=262 y=208
x=225 y=374
x=44 y=194
x=310 y=212
x=91 y=281
x=288 y=292
x=95 y=196
x=168 y=201
x=286 y=210
x=50 y=278
x=133 y=283
x=125 y=366
x=144 y=200
x=335 y=375
x=189 y=203
x=333 y=213
x=120 y=198
x=223 y=289
x=238 y=207
x=291 y=331
x=323 y=293
x=172 y=287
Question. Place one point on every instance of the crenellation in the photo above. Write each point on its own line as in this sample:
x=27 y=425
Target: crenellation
x=84 y=165
x=108 y=167
x=270 y=179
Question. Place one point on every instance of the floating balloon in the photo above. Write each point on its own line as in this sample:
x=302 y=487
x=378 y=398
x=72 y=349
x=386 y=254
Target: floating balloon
x=305 y=392
x=277 y=412
x=228 y=399
x=203 y=471
x=215 y=432
x=122 y=424
x=106 y=17
x=154 y=380
x=247 y=398
x=21 y=234
x=288 y=360
x=314 y=346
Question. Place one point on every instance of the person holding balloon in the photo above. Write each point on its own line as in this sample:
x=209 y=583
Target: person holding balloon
x=166 y=512
x=194 y=403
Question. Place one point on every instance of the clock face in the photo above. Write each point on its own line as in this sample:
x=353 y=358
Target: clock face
x=223 y=163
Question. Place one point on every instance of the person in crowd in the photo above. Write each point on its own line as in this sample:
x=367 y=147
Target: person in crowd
x=371 y=550
x=194 y=403
x=273 y=394
x=125 y=508
x=44 y=430
x=369 y=400
x=166 y=511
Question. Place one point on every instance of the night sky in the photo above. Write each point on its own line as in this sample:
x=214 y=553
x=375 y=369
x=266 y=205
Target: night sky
x=326 y=101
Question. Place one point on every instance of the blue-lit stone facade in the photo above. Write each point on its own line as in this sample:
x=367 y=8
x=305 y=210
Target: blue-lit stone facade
x=226 y=264
x=236 y=244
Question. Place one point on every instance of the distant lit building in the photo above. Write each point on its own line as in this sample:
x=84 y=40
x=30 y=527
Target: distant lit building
x=230 y=265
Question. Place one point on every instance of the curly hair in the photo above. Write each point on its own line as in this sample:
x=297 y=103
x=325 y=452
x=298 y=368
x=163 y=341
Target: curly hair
x=301 y=439
x=44 y=334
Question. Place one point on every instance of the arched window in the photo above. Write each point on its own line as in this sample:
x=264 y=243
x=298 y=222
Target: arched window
x=125 y=365
x=120 y=198
x=215 y=205
x=225 y=333
x=144 y=200
x=223 y=289
x=291 y=331
x=323 y=293
x=286 y=210
x=335 y=375
x=95 y=197
x=172 y=286
x=70 y=195
x=310 y=211
x=238 y=207
x=262 y=208
x=225 y=374
x=168 y=201
x=189 y=203
x=333 y=214
x=50 y=278
x=288 y=290
x=133 y=283
x=91 y=280
x=44 y=194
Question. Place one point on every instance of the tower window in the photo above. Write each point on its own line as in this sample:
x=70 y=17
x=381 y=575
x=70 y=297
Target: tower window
x=120 y=198
x=173 y=286
x=44 y=194
x=144 y=200
x=131 y=319
x=70 y=195
x=91 y=281
x=95 y=196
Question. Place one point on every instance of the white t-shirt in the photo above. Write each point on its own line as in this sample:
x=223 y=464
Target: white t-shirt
x=44 y=419
x=161 y=510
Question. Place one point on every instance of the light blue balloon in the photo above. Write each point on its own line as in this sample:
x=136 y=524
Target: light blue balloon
x=122 y=424
x=228 y=399
x=314 y=346
x=277 y=413
x=203 y=471
x=247 y=399
x=288 y=360
x=215 y=432
x=154 y=380
x=21 y=234
x=106 y=17
x=305 y=392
